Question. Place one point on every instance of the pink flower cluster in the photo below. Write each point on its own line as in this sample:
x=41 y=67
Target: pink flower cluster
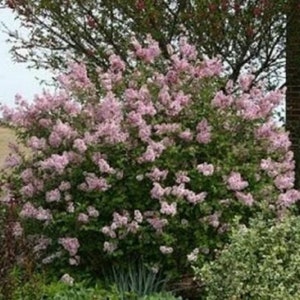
x=29 y=211
x=235 y=182
x=70 y=244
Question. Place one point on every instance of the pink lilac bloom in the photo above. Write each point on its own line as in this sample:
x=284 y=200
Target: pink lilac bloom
x=164 y=96
x=28 y=190
x=120 y=220
x=247 y=199
x=92 y=212
x=56 y=162
x=42 y=244
x=186 y=135
x=70 y=244
x=157 y=174
x=166 y=250
x=145 y=132
x=271 y=167
x=39 y=184
x=111 y=132
x=108 y=231
x=95 y=183
x=36 y=143
x=157 y=224
x=116 y=63
x=68 y=197
x=28 y=211
x=248 y=109
x=80 y=145
x=165 y=128
x=138 y=216
x=180 y=64
x=74 y=157
x=72 y=108
x=285 y=181
x=179 y=102
x=109 y=247
x=266 y=164
x=43 y=214
x=194 y=198
x=83 y=218
x=266 y=130
x=159 y=147
x=70 y=207
x=103 y=165
x=280 y=141
x=27 y=175
x=289 y=197
x=12 y=160
x=178 y=190
x=64 y=130
x=54 y=139
x=149 y=53
x=133 y=227
x=168 y=209
x=221 y=100
x=64 y=186
x=53 y=196
x=76 y=78
x=245 y=81
x=213 y=220
x=204 y=132
x=157 y=192
x=135 y=119
x=146 y=109
x=74 y=261
x=172 y=77
x=206 y=169
x=148 y=156
x=181 y=177
x=188 y=51
x=208 y=68
x=67 y=279
x=235 y=182
x=109 y=109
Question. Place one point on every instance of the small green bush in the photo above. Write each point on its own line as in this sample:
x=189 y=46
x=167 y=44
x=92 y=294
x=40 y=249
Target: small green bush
x=262 y=262
x=61 y=291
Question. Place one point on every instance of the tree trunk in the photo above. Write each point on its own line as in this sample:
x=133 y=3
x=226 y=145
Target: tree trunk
x=293 y=80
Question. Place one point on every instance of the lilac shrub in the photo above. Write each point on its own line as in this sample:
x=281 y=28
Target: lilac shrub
x=155 y=163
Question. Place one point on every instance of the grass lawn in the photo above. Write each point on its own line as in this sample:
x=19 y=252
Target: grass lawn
x=6 y=136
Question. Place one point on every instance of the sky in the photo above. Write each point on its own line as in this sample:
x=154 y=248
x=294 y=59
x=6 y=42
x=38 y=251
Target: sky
x=16 y=78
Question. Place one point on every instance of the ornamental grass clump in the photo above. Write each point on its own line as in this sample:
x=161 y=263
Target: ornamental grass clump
x=152 y=163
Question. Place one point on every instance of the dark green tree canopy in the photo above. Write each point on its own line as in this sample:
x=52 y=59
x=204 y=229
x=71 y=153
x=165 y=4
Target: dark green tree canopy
x=245 y=33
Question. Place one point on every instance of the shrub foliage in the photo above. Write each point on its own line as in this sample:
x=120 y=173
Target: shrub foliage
x=262 y=261
x=155 y=164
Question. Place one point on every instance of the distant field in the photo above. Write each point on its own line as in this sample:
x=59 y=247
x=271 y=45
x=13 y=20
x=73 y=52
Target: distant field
x=6 y=136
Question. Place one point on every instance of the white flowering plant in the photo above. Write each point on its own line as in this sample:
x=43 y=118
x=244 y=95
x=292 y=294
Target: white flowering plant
x=262 y=261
